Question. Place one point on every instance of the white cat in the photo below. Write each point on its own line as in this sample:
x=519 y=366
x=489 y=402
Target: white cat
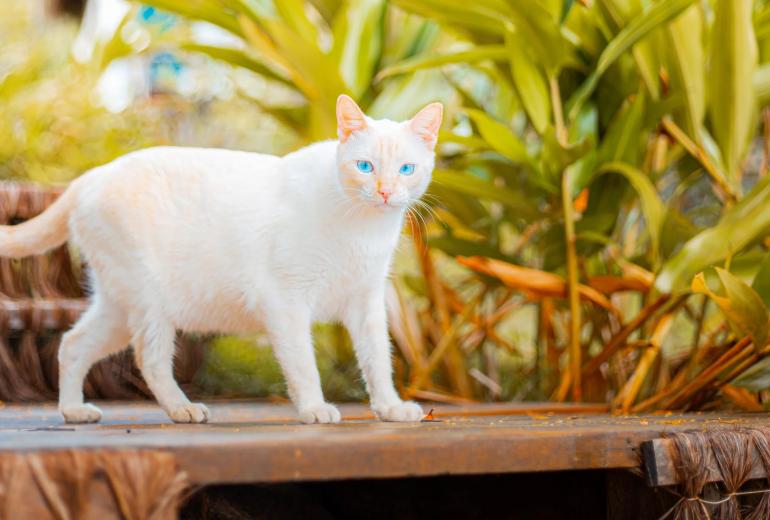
x=207 y=240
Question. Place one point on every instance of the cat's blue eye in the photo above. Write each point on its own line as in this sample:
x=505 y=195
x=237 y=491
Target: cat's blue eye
x=406 y=169
x=364 y=166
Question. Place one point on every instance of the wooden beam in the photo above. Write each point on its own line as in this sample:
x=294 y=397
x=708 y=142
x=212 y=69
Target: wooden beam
x=259 y=442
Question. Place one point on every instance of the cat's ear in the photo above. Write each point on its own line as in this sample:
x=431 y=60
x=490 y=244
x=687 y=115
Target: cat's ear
x=427 y=122
x=350 y=118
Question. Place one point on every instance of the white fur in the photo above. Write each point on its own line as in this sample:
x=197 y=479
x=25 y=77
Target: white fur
x=208 y=240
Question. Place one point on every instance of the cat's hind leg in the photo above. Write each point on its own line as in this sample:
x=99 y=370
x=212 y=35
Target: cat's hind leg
x=99 y=332
x=154 y=346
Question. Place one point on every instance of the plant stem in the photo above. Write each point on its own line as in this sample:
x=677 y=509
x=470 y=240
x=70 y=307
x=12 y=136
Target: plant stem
x=575 y=354
x=631 y=389
x=736 y=353
x=558 y=112
x=446 y=342
x=721 y=187
x=619 y=339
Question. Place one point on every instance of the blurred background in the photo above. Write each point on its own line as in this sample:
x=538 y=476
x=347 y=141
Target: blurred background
x=597 y=228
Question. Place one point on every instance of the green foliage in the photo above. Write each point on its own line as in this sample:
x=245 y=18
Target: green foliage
x=664 y=93
x=612 y=48
x=52 y=127
x=246 y=367
x=319 y=50
x=741 y=304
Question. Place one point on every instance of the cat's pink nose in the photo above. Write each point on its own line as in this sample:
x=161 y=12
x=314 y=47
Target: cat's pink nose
x=385 y=194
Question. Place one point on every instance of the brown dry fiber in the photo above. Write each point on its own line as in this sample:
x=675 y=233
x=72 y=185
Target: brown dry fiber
x=732 y=453
x=73 y=485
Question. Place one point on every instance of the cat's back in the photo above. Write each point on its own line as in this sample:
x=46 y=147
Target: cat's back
x=171 y=165
x=153 y=178
x=162 y=194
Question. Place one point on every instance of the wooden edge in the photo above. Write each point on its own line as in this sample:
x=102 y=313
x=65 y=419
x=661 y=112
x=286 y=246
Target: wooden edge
x=661 y=471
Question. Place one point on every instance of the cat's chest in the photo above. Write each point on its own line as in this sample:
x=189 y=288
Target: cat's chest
x=343 y=277
x=352 y=262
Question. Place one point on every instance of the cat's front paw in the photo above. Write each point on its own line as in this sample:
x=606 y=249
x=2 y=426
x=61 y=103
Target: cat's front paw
x=320 y=413
x=80 y=413
x=190 y=413
x=404 y=411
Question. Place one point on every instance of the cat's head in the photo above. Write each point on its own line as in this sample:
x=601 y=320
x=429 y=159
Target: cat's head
x=384 y=163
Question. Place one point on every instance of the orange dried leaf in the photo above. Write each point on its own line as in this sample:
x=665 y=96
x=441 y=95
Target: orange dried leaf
x=581 y=202
x=533 y=282
x=608 y=284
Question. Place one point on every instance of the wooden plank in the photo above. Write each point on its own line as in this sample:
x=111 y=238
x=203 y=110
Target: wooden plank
x=662 y=472
x=257 y=442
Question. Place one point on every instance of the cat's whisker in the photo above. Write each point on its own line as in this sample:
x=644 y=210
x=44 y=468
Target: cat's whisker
x=414 y=225
x=433 y=198
x=420 y=221
x=421 y=205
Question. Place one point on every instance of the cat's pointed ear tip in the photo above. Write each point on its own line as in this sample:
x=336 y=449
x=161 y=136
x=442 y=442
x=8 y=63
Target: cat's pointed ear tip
x=350 y=117
x=433 y=110
x=344 y=99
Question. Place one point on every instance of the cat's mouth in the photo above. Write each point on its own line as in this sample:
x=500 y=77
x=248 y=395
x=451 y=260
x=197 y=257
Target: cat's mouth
x=386 y=205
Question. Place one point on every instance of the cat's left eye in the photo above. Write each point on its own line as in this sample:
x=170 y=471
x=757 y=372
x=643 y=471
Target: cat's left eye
x=406 y=169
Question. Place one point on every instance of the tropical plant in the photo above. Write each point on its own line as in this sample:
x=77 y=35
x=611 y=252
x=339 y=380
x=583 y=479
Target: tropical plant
x=606 y=145
x=662 y=95
x=310 y=52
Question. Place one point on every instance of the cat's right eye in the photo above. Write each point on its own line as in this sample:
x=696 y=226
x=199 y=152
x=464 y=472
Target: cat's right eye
x=365 y=166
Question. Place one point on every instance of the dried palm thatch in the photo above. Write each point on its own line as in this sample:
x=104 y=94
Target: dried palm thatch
x=731 y=455
x=40 y=298
x=65 y=485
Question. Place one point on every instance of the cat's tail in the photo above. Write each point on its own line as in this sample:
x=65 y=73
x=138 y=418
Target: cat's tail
x=40 y=234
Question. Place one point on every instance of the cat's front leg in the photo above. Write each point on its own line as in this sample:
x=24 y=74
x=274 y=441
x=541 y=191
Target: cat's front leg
x=367 y=323
x=291 y=338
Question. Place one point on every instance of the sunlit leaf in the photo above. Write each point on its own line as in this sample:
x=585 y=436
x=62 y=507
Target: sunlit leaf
x=740 y=304
x=359 y=33
x=425 y=61
x=733 y=62
x=756 y=378
x=652 y=207
x=530 y=83
x=686 y=68
x=239 y=59
x=205 y=10
x=738 y=227
x=294 y=15
x=656 y=16
x=468 y=15
x=475 y=187
x=500 y=137
x=761 y=283
x=621 y=141
x=762 y=84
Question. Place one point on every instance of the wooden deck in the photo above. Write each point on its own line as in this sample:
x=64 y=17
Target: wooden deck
x=258 y=442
